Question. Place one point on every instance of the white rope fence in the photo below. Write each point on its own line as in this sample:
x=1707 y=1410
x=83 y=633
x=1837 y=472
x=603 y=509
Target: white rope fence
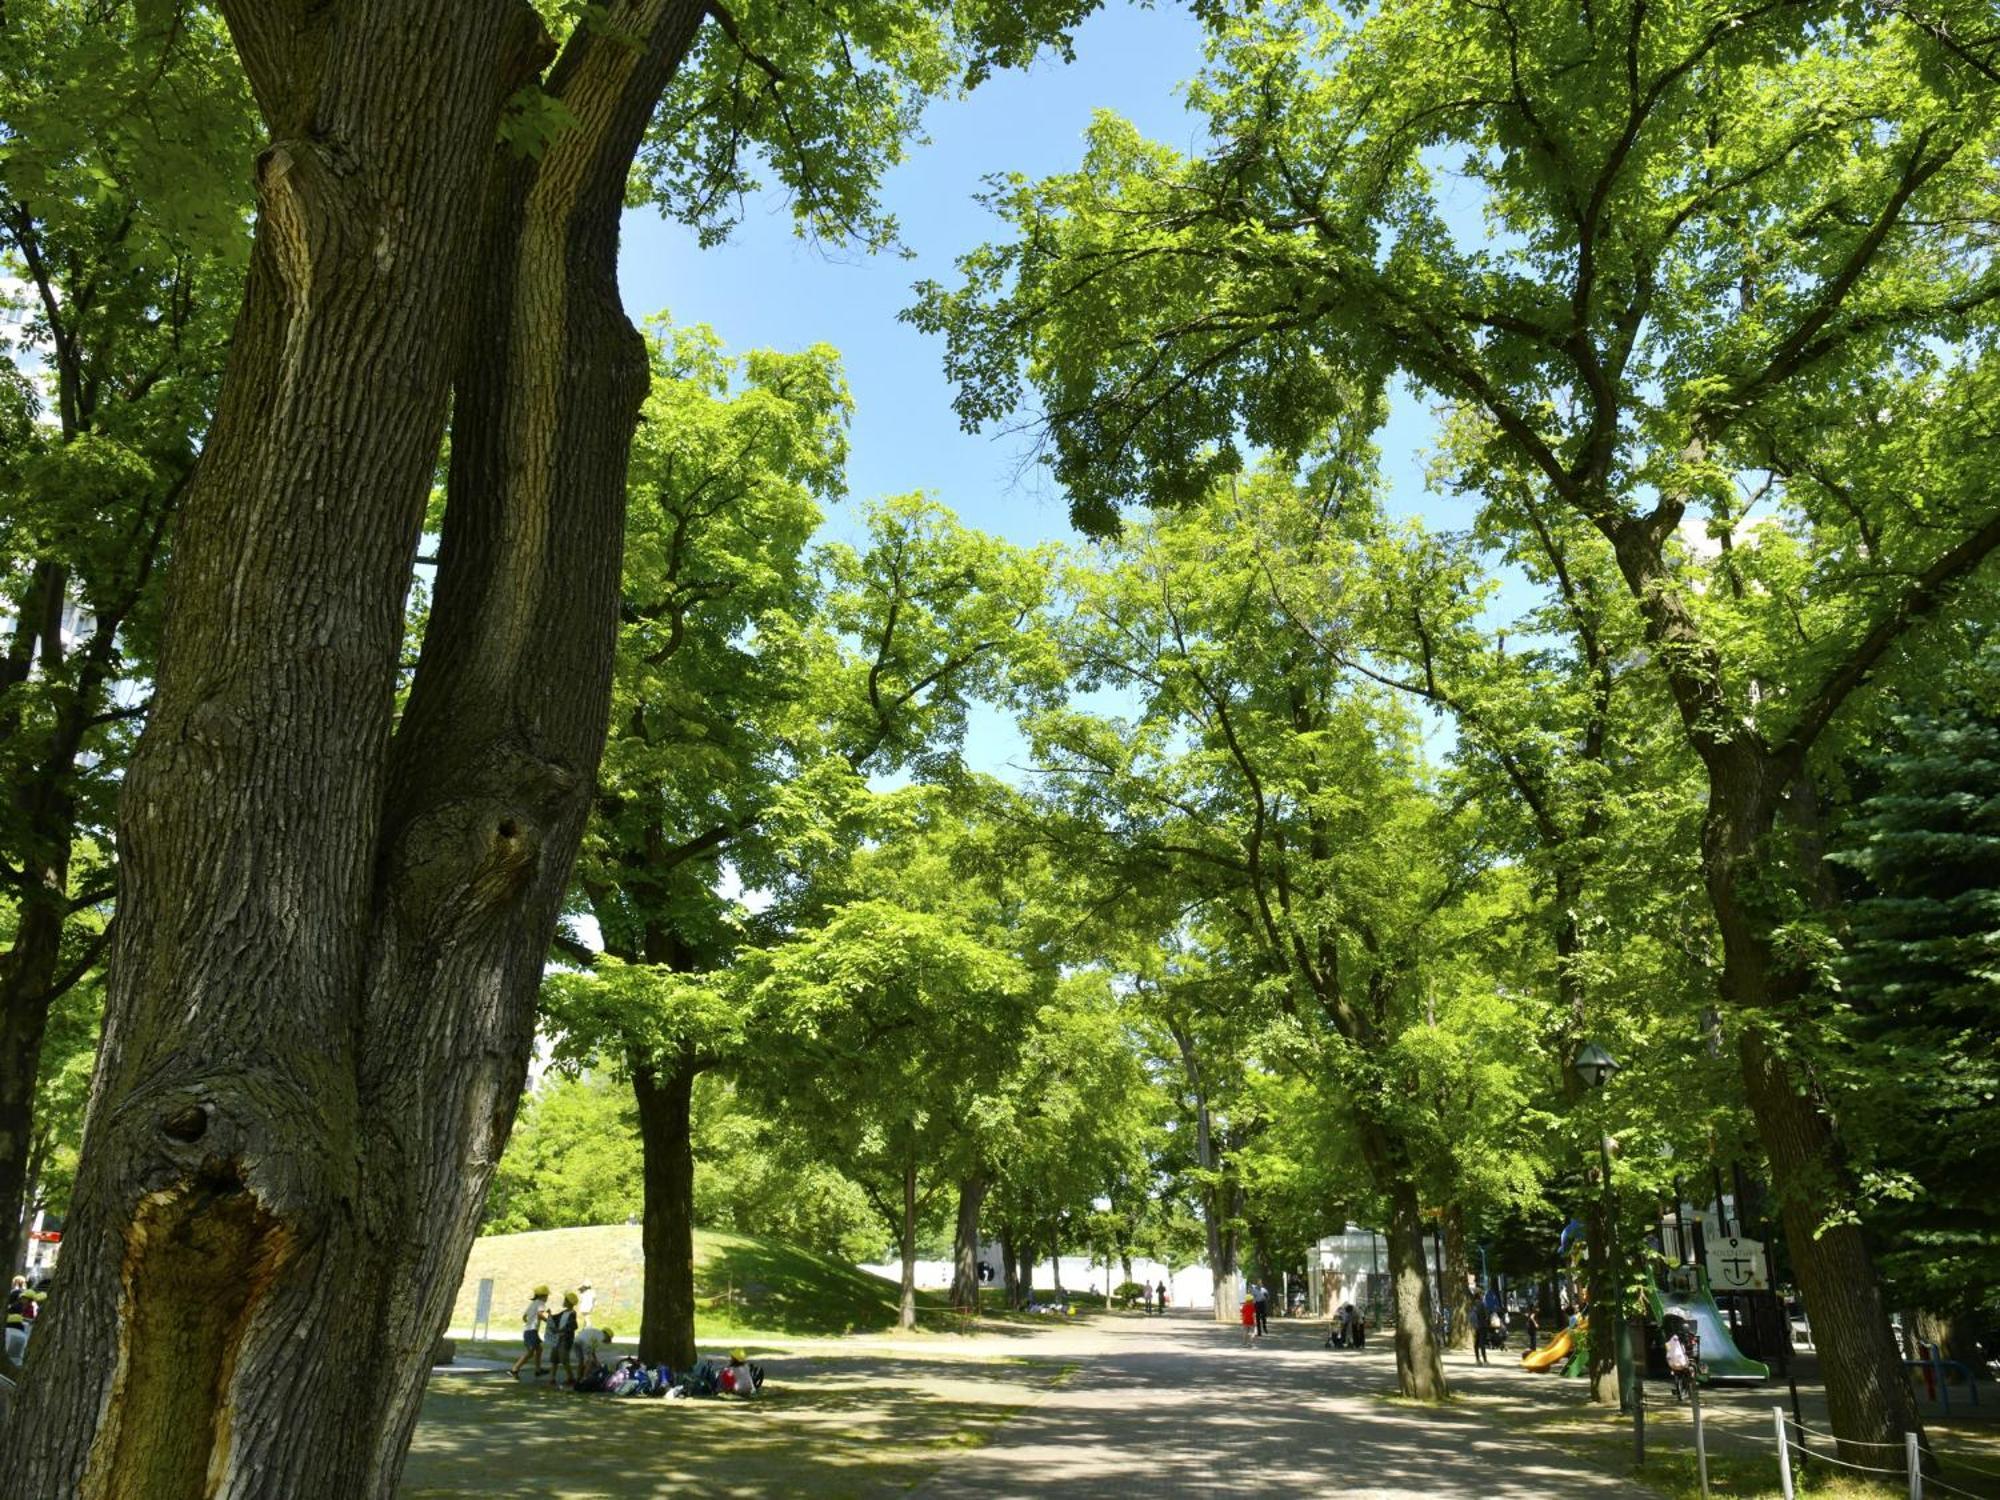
x=1784 y=1427
x=1932 y=1482
x=1793 y=1437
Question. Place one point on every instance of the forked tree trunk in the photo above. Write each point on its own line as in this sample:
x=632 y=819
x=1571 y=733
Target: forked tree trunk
x=1419 y=1369
x=322 y=988
x=666 y=1132
x=965 y=1243
x=262 y=1109
x=906 y=1244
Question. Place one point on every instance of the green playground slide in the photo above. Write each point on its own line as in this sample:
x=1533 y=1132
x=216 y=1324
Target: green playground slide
x=1720 y=1358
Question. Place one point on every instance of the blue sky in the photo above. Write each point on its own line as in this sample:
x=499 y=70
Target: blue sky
x=766 y=288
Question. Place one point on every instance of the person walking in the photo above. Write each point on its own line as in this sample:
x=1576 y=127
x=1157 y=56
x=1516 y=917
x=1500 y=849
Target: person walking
x=1249 y=1320
x=1163 y=1298
x=531 y=1331
x=1479 y=1336
x=1261 y=1300
x=1146 y=1290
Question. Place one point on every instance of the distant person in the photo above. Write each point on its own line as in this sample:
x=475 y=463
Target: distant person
x=1249 y=1319
x=1478 y=1321
x=1534 y=1322
x=563 y=1325
x=531 y=1331
x=1261 y=1300
x=1163 y=1297
x=1360 y=1330
x=586 y=1304
x=1147 y=1292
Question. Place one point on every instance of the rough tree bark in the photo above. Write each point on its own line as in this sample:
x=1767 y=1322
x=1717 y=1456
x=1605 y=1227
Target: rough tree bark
x=322 y=986
x=972 y=1191
x=666 y=1322
x=1419 y=1366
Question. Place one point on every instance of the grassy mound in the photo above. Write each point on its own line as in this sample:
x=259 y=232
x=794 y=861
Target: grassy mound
x=742 y=1284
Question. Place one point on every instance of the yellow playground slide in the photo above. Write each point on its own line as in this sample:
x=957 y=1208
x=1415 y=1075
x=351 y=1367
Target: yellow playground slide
x=1550 y=1354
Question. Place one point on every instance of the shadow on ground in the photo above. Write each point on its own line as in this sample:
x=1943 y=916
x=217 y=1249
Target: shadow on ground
x=823 y=1427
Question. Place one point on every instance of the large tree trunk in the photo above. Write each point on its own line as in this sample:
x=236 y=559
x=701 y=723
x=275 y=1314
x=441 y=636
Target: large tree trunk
x=666 y=1236
x=1419 y=1367
x=965 y=1243
x=1749 y=783
x=1602 y=1338
x=322 y=989
x=1868 y=1395
x=906 y=1317
x=262 y=1109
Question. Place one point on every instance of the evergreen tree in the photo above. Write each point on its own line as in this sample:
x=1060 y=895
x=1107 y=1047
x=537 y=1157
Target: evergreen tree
x=1921 y=976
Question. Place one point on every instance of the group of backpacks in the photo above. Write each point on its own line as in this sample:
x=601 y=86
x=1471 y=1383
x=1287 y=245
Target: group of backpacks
x=631 y=1378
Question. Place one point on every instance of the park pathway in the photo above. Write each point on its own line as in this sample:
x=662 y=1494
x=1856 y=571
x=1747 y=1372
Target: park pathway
x=1178 y=1406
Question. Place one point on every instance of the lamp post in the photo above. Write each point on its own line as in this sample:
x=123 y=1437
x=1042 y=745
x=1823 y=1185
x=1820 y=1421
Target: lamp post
x=1594 y=1066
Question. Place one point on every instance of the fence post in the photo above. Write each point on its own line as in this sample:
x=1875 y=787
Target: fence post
x=1913 y=1454
x=1784 y=1451
x=1700 y=1440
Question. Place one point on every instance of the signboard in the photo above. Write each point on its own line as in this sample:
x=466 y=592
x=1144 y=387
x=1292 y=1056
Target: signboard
x=1737 y=1265
x=483 y=1311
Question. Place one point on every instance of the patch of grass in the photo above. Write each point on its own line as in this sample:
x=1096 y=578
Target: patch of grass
x=743 y=1285
x=1676 y=1476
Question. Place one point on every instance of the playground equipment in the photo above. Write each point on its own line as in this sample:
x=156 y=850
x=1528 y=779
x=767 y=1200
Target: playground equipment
x=1553 y=1353
x=1689 y=1297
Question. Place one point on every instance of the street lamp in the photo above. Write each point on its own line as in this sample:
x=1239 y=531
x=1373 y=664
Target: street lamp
x=1594 y=1066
